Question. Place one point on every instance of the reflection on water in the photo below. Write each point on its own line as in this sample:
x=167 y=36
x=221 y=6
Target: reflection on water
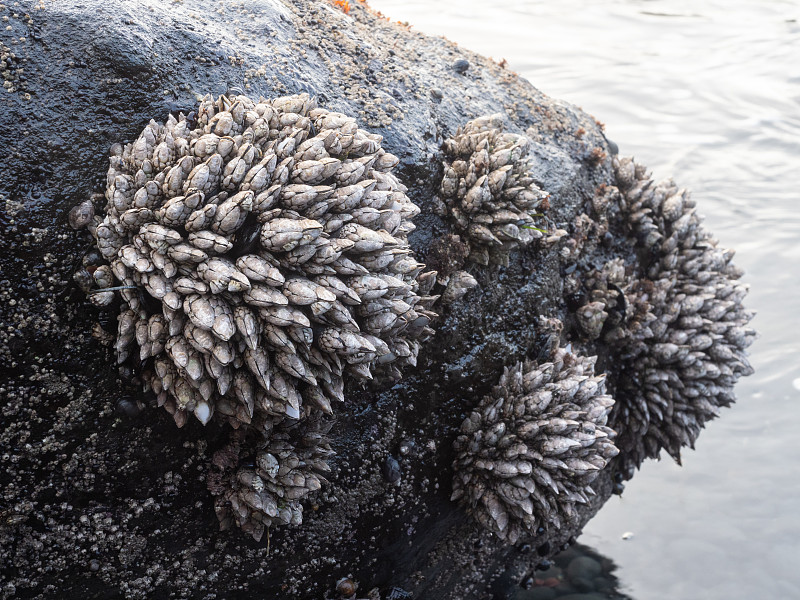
x=708 y=92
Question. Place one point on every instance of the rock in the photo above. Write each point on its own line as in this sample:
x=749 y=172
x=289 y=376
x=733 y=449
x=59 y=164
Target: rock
x=461 y=65
x=536 y=593
x=541 y=593
x=83 y=485
x=583 y=569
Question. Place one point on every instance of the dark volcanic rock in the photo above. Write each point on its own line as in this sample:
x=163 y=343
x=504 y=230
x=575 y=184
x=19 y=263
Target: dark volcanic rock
x=102 y=499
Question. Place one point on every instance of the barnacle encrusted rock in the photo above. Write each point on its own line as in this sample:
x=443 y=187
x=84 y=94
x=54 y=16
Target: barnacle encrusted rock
x=675 y=321
x=102 y=499
x=488 y=189
x=262 y=257
x=532 y=447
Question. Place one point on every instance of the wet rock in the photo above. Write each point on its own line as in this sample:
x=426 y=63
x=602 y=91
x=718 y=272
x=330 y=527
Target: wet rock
x=95 y=485
x=583 y=568
x=540 y=593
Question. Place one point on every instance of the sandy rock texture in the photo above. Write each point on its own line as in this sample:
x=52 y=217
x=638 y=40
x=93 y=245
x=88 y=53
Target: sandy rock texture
x=102 y=496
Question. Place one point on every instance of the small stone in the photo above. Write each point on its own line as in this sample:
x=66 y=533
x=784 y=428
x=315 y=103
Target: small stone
x=436 y=94
x=541 y=593
x=461 y=65
x=128 y=407
x=391 y=470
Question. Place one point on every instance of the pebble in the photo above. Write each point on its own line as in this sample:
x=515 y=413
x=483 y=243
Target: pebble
x=541 y=593
x=461 y=65
x=603 y=585
x=583 y=584
x=391 y=470
x=537 y=593
x=128 y=407
x=436 y=94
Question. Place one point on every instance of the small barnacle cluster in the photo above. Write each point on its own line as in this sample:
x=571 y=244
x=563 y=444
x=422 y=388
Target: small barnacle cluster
x=679 y=335
x=488 y=189
x=532 y=447
x=606 y=308
x=261 y=254
x=257 y=484
x=446 y=255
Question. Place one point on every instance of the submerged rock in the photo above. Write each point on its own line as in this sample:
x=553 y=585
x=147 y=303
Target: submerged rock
x=100 y=501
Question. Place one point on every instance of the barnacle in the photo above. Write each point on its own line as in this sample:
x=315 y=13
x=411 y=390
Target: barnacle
x=488 y=190
x=262 y=257
x=532 y=447
x=678 y=338
x=257 y=484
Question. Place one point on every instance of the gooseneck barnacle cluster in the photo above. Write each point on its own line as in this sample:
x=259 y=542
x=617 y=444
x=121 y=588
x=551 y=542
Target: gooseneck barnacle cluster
x=489 y=193
x=262 y=257
x=677 y=329
x=532 y=447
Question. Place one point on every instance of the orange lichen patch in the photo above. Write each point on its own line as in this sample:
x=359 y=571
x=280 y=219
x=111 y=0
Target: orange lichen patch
x=343 y=5
x=545 y=203
x=580 y=132
x=596 y=156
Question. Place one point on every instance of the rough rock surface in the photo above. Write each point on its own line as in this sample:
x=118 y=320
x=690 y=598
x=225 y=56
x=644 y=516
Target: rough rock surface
x=102 y=496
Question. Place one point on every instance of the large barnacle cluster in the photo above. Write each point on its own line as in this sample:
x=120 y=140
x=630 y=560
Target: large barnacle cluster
x=532 y=447
x=679 y=339
x=488 y=189
x=261 y=253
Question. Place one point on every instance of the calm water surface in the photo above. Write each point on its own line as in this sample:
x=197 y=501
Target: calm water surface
x=707 y=92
